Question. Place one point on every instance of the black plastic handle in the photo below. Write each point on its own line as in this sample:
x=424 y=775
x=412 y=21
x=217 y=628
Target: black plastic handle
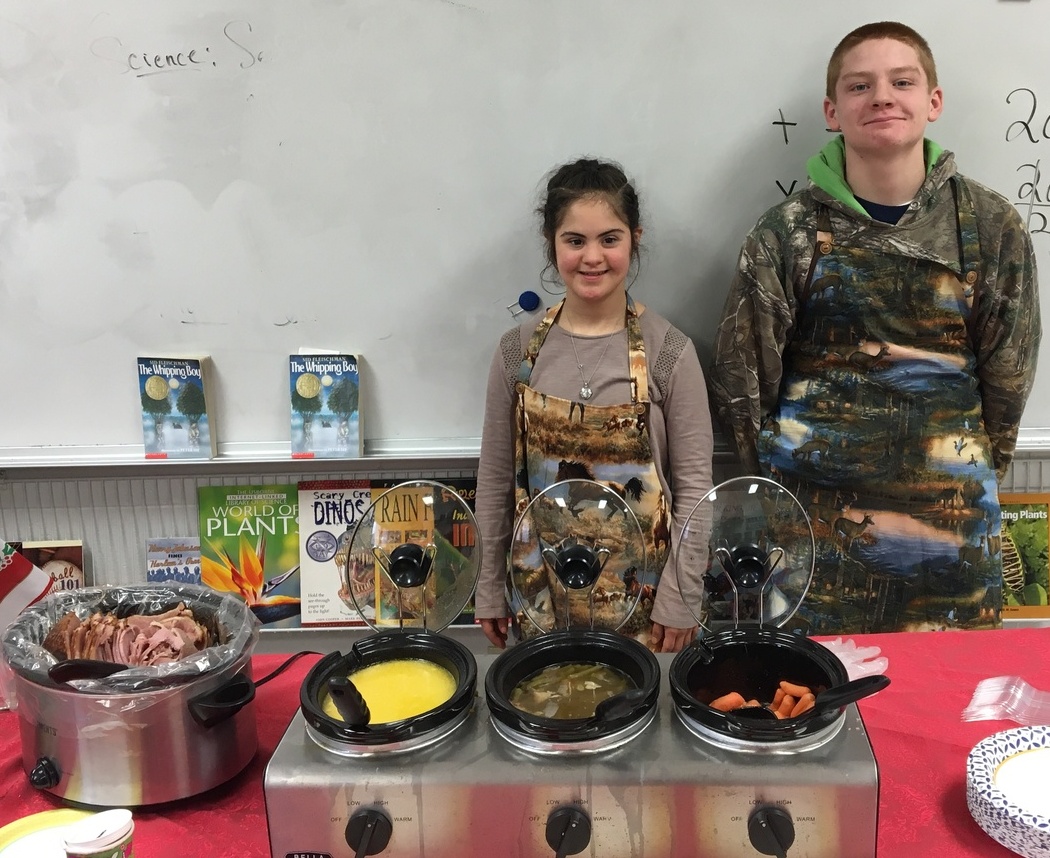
x=215 y=706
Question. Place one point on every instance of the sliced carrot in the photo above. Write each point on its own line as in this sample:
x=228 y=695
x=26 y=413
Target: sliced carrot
x=778 y=697
x=795 y=691
x=727 y=702
x=805 y=703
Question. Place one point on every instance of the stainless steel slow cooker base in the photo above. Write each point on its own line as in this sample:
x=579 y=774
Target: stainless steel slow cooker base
x=665 y=793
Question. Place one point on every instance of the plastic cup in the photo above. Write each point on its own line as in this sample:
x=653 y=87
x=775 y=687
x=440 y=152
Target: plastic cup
x=102 y=835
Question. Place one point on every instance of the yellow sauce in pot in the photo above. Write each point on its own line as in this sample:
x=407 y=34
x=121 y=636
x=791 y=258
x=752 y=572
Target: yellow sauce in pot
x=398 y=689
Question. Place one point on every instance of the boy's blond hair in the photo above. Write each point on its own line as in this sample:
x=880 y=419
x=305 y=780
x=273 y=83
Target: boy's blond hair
x=881 y=30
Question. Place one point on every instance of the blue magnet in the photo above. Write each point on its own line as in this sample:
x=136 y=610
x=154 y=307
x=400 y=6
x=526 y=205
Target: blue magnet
x=526 y=303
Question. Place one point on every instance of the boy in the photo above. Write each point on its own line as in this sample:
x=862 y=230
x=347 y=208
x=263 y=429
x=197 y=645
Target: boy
x=876 y=351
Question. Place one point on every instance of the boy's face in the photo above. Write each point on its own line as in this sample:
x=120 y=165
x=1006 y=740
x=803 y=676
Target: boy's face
x=883 y=98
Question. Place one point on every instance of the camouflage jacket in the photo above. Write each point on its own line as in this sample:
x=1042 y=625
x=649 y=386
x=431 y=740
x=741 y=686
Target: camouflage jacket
x=760 y=310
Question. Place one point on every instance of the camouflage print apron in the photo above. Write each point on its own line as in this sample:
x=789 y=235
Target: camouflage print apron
x=559 y=439
x=879 y=432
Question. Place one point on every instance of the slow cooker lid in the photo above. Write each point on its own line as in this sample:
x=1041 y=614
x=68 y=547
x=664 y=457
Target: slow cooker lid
x=413 y=558
x=746 y=555
x=576 y=552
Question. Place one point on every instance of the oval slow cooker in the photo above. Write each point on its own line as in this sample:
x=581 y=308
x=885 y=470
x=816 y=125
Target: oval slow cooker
x=575 y=553
x=145 y=735
x=417 y=552
x=744 y=563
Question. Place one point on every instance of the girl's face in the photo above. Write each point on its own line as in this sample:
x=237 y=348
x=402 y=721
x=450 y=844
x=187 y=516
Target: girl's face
x=592 y=247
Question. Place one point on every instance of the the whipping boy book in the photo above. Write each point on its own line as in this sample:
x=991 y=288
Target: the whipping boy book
x=177 y=417
x=329 y=511
x=325 y=406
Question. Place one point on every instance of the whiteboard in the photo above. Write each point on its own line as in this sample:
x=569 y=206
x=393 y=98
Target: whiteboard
x=248 y=178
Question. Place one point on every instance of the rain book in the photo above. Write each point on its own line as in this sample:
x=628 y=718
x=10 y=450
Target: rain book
x=177 y=417
x=249 y=538
x=325 y=406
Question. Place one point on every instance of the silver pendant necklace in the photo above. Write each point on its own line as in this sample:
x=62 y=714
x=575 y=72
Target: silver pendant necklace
x=585 y=386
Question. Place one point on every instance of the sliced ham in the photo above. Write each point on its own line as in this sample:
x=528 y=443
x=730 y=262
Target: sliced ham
x=138 y=640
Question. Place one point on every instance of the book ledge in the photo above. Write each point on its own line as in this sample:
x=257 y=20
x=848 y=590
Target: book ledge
x=380 y=454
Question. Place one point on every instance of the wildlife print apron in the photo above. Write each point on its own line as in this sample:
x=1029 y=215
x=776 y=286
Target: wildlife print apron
x=559 y=439
x=880 y=434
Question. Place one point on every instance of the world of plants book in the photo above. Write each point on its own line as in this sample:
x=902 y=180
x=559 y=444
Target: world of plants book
x=249 y=542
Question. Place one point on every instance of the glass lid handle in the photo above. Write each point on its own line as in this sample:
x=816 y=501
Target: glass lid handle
x=577 y=566
x=748 y=570
x=408 y=566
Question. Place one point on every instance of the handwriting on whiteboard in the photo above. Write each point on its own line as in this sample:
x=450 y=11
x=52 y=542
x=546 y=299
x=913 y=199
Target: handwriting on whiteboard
x=1033 y=196
x=232 y=48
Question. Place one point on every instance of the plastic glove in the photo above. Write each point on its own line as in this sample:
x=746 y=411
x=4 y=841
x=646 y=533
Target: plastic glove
x=858 y=661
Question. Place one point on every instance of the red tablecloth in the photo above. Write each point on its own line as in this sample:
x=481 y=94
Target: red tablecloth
x=915 y=728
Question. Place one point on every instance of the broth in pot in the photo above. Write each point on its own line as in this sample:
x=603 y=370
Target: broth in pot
x=571 y=690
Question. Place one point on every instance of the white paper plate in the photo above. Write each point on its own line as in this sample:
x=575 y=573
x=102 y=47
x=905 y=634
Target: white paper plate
x=39 y=835
x=1007 y=789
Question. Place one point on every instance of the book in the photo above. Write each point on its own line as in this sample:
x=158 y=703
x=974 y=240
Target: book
x=173 y=558
x=1024 y=543
x=329 y=510
x=325 y=406
x=177 y=413
x=61 y=559
x=402 y=517
x=249 y=541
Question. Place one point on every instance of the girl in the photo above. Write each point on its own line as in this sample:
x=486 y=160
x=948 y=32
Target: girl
x=626 y=388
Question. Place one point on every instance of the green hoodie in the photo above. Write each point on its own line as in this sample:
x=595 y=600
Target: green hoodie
x=827 y=170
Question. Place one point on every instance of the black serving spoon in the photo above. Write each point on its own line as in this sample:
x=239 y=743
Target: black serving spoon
x=83 y=668
x=832 y=698
x=620 y=705
x=349 y=702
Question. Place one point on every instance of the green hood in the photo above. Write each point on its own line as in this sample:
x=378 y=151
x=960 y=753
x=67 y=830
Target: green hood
x=827 y=170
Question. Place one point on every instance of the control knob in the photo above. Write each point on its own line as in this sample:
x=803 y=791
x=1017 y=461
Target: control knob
x=368 y=832
x=568 y=831
x=45 y=774
x=771 y=831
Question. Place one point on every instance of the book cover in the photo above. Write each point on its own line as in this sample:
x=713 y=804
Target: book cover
x=402 y=517
x=329 y=510
x=463 y=533
x=1024 y=544
x=177 y=417
x=62 y=559
x=249 y=539
x=173 y=558
x=325 y=406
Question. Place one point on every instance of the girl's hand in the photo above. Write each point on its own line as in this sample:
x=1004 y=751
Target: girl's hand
x=668 y=639
x=495 y=630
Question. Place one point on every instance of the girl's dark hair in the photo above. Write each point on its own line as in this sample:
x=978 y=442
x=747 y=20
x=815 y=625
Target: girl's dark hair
x=588 y=179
